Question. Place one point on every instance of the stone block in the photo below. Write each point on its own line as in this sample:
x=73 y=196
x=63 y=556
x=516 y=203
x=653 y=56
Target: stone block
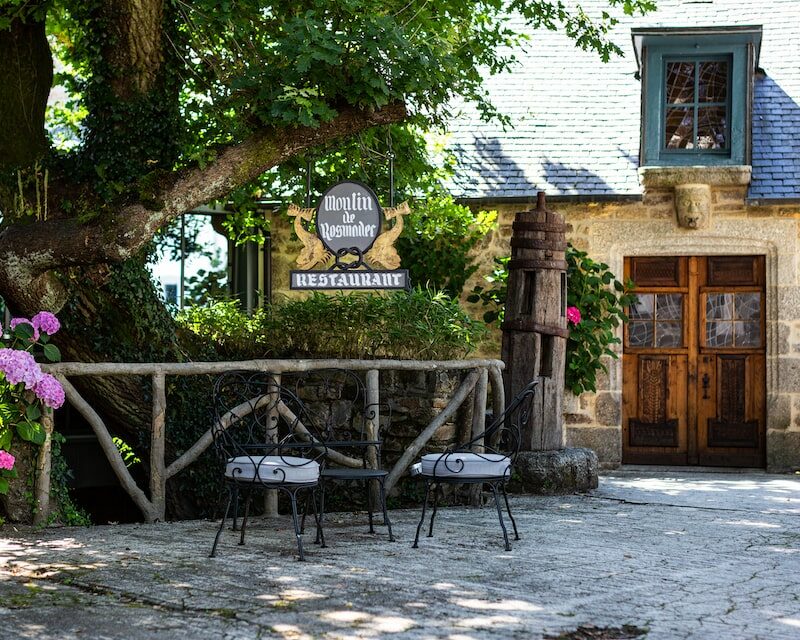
x=788 y=302
x=555 y=472
x=609 y=380
x=779 y=411
x=794 y=421
x=783 y=451
x=578 y=418
x=571 y=402
x=608 y=405
x=788 y=375
x=729 y=196
x=666 y=177
x=784 y=333
x=606 y=442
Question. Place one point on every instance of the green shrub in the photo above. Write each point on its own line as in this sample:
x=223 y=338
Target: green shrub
x=437 y=240
x=601 y=300
x=418 y=324
x=595 y=292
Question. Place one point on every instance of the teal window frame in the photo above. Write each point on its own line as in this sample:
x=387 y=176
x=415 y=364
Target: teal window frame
x=661 y=50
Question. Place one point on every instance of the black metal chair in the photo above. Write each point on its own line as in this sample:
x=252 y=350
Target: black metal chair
x=338 y=399
x=263 y=446
x=487 y=459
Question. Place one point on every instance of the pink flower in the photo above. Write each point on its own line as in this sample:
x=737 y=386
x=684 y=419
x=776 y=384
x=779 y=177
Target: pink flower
x=15 y=322
x=47 y=322
x=6 y=460
x=19 y=366
x=49 y=391
x=574 y=315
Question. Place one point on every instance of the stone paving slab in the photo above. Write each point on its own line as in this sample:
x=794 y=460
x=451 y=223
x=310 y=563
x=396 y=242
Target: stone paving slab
x=677 y=555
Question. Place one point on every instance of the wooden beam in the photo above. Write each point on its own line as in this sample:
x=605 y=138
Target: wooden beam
x=158 y=474
x=43 y=469
x=110 y=449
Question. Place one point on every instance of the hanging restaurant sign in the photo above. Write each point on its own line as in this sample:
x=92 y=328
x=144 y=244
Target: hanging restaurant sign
x=349 y=241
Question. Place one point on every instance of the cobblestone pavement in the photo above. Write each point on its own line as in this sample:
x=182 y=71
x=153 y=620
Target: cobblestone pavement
x=684 y=555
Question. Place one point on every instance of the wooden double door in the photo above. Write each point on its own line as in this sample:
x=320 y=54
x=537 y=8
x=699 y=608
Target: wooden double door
x=694 y=362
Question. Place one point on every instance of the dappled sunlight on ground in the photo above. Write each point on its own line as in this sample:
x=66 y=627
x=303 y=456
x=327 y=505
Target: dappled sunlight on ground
x=676 y=554
x=763 y=492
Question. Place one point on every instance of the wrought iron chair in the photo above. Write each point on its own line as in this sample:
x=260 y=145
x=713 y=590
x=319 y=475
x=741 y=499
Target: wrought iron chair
x=338 y=399
x=263 y=446
x=487 y=459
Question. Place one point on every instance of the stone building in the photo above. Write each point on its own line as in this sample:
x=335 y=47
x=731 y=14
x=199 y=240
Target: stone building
x=678 y=165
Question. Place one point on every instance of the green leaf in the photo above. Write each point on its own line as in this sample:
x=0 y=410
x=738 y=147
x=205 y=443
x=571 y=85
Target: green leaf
x=5 y=439
x=37 y=433
x=25 y=431
x=3 y=486
x=33 y=412
x=52 y=353
x=23 y=331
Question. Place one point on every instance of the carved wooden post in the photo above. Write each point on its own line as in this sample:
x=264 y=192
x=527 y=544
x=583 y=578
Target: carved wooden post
x=535 y=328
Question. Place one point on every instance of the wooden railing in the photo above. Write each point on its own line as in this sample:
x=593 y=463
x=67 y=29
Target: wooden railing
x=481 y=374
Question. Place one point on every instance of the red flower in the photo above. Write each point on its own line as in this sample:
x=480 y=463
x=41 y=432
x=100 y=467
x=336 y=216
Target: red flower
x=573 y=315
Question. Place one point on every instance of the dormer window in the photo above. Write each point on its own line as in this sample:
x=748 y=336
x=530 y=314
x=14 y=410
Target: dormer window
x=696 y=94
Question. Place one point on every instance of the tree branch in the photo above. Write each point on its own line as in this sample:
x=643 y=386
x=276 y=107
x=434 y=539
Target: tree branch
x=53 y=244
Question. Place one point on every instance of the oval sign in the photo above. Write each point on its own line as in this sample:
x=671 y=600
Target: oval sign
x=349 y=217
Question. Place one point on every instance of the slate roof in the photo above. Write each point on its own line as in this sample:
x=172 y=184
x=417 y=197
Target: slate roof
x=577 y=120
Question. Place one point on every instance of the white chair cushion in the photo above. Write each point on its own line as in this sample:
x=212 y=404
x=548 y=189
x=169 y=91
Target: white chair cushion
x=273 y=469
x=465 y=465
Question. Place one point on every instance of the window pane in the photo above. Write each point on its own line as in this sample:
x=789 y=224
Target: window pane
x=640 y=334
x=643 y=307
x=679 y=129
x=680 y=82
x=713 y=82
x=711 y=123
x=719 y=334
x=669 y=306
x=748 y=306
x=719 y=306
x=669 y=334
x=748 y=334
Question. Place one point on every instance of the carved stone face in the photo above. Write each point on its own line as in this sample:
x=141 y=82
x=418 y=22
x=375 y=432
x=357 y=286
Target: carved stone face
x=693 y=205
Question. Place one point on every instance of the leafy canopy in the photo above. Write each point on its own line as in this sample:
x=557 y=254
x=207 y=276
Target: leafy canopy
x=233 y=67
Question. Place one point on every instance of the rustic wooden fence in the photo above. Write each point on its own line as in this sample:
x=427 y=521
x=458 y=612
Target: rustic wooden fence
x=481 y=375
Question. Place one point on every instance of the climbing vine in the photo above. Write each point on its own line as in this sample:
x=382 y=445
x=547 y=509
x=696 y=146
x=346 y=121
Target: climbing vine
x=596 y=302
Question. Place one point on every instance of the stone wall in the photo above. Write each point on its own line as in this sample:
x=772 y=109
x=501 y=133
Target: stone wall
x=611 y=231
x=410 y=400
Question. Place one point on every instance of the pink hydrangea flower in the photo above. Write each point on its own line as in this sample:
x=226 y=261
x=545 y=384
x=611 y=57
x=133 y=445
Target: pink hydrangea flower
x=47 y=322
x=49 y=391
x=6 y=460
x=574 y=315
x=19 y=366
x=15 y=322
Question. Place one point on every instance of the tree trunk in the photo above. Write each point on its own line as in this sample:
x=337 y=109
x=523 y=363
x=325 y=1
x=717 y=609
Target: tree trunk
x=26 y=74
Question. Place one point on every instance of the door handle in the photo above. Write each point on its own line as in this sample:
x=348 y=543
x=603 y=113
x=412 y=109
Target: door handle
x=706 y=381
